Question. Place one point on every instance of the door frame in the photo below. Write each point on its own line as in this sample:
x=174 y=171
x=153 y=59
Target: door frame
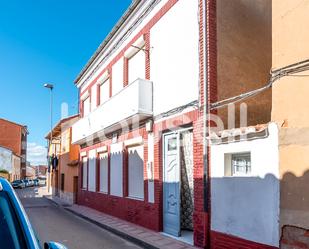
x=164 y=134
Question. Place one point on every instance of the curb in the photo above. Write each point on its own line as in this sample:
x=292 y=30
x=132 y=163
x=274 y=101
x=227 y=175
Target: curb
x=115 y=231
x=107 y=228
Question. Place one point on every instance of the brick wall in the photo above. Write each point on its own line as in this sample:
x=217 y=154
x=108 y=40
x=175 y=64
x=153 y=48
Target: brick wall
x=10 y=136
x=147 y=214
x=224 y=241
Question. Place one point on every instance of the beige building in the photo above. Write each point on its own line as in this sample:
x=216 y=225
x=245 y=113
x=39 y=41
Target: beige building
x=64 y=177
x=290 y=39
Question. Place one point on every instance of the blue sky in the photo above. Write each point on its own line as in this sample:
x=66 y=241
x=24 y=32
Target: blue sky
x=47 y=41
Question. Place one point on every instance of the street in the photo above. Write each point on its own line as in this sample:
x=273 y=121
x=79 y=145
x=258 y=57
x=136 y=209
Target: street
x=53 y=223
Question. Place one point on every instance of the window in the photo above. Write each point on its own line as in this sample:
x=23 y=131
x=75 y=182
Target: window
x=136 y=172
x=86 y=106
x=104 y=91
x=85 y=172
x=136 y=65
x=92 y=178
x=117 y=76
x=103 y=157
x=62 y=182
x=238 y=164
x=93 y=97
x=116 y=162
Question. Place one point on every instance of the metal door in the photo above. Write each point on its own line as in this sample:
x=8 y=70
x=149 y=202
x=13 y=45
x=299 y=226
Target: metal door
x=171 y=185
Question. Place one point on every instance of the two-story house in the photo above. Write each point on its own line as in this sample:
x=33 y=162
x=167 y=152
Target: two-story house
x=139 y=107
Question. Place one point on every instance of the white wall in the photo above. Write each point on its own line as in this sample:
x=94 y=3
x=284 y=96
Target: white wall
x=6 y=159
x=116 y=174
x=174 y=57
x=92 y=171
x=247 y=207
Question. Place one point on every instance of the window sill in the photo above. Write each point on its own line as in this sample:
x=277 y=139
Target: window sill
x=136 y=198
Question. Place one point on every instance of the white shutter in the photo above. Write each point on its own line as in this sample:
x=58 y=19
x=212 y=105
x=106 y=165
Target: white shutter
x=86 y=106
x=92 y=171
x=104 y=91
x=136 y=171
x=116 y=162
x=85 y=170
x=93 y=97
x=137 y=66
x=104 y=172
x=117 y=73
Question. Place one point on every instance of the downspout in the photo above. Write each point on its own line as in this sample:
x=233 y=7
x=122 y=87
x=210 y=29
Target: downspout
x=206 y=180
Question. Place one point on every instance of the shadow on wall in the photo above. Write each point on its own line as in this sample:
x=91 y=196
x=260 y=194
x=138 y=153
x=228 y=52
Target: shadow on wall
x=246 y=207
x=294 y=201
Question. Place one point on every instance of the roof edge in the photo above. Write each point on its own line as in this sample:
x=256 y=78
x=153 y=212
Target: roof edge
x=111 y=34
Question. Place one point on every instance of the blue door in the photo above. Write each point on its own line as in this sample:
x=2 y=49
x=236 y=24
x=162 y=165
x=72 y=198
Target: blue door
x=171 y=185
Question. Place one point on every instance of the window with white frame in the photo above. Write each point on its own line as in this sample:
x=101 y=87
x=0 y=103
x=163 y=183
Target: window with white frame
x=104 y=91
x=136 y=172
x=86 y=106
x=238 y=164
x=85 y=172
x=103 y=157
x=136 y=65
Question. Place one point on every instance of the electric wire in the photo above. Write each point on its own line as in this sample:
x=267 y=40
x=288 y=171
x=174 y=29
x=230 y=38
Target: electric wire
x=290 y=70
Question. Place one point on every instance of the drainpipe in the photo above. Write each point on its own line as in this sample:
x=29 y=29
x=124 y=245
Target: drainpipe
x=206 y=179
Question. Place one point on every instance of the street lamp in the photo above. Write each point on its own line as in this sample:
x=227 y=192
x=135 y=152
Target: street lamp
x=50 y=87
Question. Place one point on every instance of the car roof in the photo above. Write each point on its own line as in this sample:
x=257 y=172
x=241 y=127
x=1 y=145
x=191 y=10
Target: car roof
x=4 y=185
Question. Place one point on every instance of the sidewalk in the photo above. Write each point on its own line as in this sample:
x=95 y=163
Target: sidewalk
x=137 y=234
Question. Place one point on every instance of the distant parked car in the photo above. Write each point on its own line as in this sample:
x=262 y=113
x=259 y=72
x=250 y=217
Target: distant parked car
x=18 y=184
x=36 y=182
x=27 y=183
x=31 y=183
x=16 y=230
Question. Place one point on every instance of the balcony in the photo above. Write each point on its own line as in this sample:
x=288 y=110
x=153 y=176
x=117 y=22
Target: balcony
x=132 y=103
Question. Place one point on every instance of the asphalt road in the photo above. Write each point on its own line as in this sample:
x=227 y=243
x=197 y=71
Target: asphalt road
x=53 y=223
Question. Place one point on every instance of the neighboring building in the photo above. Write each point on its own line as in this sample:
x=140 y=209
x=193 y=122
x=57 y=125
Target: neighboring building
x=30 y=173
x=259 y=174
x=41 y=170
x=65 y=173
x=289 y=109
x=14 y=137
x=11 y=163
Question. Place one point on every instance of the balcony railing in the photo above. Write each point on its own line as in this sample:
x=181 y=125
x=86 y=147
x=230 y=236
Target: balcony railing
x=132 y=103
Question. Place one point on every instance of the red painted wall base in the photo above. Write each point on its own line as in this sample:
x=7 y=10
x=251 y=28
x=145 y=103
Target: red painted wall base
x=224 y=241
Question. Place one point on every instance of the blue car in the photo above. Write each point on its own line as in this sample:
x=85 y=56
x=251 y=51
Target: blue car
x=15 y=229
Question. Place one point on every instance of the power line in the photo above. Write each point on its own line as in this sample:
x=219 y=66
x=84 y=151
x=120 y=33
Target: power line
x=277 y=74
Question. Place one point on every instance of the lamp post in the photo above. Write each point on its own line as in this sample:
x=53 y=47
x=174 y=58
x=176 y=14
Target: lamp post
x=50 y=87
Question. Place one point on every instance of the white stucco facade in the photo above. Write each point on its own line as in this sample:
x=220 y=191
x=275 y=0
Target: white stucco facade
x=247 y=206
